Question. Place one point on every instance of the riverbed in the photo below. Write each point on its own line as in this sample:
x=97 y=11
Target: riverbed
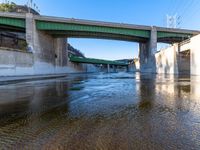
x=103 y=111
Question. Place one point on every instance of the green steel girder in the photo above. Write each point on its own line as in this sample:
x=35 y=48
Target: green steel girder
x=95 y=61
x=15 y=22
x=97 y=35
x=94 y=31
x=56 y=26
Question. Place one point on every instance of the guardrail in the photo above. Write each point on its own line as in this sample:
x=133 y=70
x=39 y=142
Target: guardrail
x=184 y=42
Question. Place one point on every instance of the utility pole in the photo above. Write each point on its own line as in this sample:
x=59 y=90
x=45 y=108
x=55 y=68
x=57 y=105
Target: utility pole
x=173 y=21
x=29 y=3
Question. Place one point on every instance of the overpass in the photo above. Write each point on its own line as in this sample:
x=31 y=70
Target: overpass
x=65 y=27
x=46 y=35
x=108 y=63
x=96 y=61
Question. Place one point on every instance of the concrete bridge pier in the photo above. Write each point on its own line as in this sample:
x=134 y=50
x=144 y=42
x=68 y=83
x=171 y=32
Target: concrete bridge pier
x=127 y=69
x=108 y=68
x=147 y=53
x=61 y=56
x=114 y=68
x=49 y=53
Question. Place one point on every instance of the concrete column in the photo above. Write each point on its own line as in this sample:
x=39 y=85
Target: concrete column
x=108 y=68
x=127 y=68
x=147 y=53
x=143 y=56
x=114 y=68
x=30 y=29
x=49 y=53
x=153 y=50
x=153 y=41
x=61 y=57
x=39 y=42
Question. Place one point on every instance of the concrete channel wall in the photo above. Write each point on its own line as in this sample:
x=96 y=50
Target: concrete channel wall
x=180 y=58
x=19 y=63
x=166 y=60
x=15 y=63
x=195 y=55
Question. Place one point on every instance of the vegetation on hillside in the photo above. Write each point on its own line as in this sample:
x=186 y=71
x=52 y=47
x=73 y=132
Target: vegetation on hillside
x=7 y=7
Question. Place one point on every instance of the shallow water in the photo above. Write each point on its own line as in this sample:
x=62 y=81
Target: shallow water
x=102 y=111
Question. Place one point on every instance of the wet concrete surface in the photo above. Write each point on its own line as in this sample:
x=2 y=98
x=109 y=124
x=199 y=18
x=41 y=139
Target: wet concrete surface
x=122 y=111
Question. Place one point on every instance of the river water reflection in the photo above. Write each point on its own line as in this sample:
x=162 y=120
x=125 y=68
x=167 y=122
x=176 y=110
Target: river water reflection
x=102 y=111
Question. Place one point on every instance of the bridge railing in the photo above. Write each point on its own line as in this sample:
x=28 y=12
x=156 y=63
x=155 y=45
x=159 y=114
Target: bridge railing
x=184 y=42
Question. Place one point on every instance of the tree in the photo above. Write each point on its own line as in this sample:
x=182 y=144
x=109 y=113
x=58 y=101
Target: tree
x=7 y=7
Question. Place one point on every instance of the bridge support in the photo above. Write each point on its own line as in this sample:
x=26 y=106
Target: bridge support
x=60 y=45
x=147 y=53
x=30 y=29
x=108 y=68
x=127 y=69
x=113 y=68
x=49 y=53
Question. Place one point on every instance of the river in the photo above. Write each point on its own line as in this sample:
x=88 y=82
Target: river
x=122 y=111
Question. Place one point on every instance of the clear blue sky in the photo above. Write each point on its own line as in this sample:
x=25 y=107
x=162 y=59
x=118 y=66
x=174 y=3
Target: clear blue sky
x=144 y=12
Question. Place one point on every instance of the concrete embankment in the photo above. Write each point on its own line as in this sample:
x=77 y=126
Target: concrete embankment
x=16 y=79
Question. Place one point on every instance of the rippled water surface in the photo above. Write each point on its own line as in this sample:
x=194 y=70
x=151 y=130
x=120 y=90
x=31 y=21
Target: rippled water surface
x=103 y=112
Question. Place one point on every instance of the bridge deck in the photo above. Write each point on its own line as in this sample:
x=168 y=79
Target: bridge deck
x=69 y=27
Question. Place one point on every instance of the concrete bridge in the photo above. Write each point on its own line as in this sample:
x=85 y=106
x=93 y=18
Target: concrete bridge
x=107 y=63
x=46 y=36
x=96 y=61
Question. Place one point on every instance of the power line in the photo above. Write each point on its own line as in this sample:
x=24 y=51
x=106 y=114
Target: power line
x=181 y=8
x=186 y=8
x=171 y=4
x=177 y=6
x=32 y=5
x=173 y=21
x=189 y=16
x=173 y=18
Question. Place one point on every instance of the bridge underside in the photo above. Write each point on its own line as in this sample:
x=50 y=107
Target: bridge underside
x=171 y=40
x=96 y=35
x=12 y=29
x=109 y=36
